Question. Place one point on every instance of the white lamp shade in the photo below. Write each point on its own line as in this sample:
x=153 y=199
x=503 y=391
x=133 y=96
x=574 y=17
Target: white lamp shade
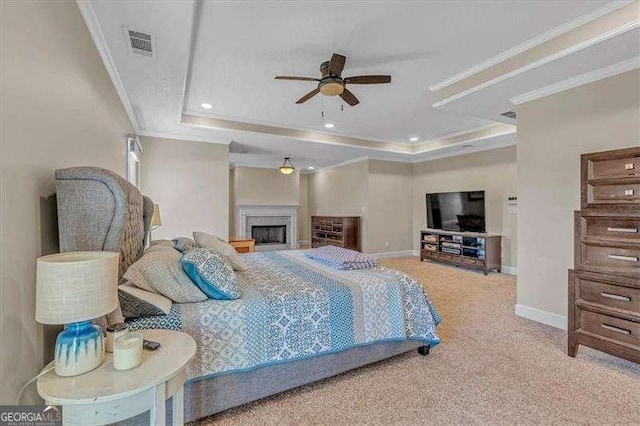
x=76 y=286
x=156 y=220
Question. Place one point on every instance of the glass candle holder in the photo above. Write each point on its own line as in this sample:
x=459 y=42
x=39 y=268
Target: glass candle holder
x=127 y=351
x=113 y=332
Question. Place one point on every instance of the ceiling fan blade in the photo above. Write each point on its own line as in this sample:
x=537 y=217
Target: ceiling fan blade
x=289 y=77
x=308 y=96
x=368 y=79
x=336 y=64
x=349 y=98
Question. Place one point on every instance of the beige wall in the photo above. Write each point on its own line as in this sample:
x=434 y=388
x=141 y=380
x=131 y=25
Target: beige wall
x=390 y=207
x=59 y=109
x=492 y=171
x=190 y=183
x=232 y=202
x=266 y=186
x=552 y=133
x=304 y=218
x=341 y=191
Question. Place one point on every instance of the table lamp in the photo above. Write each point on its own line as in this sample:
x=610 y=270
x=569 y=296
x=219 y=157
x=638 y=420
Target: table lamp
x=74 y=288
x=156 y=220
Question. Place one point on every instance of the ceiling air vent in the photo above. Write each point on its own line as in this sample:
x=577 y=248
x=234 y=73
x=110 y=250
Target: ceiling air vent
x=140 y=43
x=509 y=114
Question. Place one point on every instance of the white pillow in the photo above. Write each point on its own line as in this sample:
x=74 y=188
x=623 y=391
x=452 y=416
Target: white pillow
x=219 y=245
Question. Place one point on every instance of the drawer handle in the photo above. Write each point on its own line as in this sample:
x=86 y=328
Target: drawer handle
x=629 y=166
x=616 y=329
x=628 y=192
x=628 y=230
x=620 y=257
x=615 y=296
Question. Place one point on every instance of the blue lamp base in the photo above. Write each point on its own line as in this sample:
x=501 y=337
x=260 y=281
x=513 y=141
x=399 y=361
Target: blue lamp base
x=79 y=349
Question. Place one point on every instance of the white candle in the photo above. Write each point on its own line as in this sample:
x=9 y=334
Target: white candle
x=127 y=351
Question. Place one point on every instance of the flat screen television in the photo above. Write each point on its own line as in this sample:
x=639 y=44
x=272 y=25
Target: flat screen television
x=456 y=211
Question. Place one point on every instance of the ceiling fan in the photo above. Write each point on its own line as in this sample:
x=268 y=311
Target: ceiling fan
x=331 y=82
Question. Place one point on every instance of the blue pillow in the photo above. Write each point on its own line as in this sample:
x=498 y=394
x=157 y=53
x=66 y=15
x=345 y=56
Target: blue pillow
x=212 y=273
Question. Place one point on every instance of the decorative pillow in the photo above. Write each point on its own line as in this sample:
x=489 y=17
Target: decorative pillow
x=160 y=247
x=210 y=242
x=212 y=273
x=160 y=271
x=136 y=302
x=165 y=243
x=183 y=244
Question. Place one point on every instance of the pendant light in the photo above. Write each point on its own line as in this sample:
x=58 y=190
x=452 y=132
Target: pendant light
x=287 y=167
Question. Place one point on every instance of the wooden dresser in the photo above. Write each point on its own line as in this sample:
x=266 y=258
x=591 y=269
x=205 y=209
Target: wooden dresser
x=604 y=286
x=341 y=231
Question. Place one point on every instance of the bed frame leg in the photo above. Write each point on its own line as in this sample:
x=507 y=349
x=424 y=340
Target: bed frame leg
x=424 y=350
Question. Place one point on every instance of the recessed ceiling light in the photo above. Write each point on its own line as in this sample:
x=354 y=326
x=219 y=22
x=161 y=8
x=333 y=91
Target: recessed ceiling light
x=311 y=167
x=206 y=105
x=329 y=125
x=414 y=139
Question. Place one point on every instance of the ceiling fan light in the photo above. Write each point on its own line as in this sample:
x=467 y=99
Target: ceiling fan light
x=334 y=87
x=287 y=167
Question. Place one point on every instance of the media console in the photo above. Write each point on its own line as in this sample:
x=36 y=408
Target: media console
x=469 y=249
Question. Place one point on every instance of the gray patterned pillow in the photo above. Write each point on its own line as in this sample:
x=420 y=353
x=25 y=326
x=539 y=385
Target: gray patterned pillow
x=165 y=243
x=212 y=273
x=184 y=244
x=160 y=271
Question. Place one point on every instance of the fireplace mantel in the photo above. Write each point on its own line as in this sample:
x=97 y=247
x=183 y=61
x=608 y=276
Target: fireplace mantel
x=289 y=211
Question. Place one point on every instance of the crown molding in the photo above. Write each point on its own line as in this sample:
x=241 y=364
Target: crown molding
x=272 y=124
x=93 y=25
x=183 y=137
x=560 y=54
x=580 y=80
x=344 y=163
x=425 y=157
x=499 y=129
x=195 y=27
x=536 y=41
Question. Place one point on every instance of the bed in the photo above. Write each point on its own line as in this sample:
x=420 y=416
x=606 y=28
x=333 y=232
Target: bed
x=297 y=321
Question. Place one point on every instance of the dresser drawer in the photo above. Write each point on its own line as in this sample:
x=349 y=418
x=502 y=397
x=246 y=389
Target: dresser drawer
x=473 y=262
x=610 y=228
x=619 y=193
x=609 y=327
x=623 y=259
x=617 y=167
x=608 y=295
x=455 y=258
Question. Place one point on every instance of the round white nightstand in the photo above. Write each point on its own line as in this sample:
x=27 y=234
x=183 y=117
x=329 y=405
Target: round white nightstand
x=106 y=395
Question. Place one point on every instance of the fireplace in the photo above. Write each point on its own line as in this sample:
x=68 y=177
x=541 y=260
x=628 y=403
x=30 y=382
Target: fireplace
x=274 y=227
x=269 y=234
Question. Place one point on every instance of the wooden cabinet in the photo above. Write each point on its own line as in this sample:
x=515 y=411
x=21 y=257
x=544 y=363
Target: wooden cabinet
x=604 y=286
x=340 y=231
x=469 y=249
x=243 y=245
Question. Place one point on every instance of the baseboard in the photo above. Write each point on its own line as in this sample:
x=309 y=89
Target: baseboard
x=390 y=254
x=511 y=270
x=544 y=317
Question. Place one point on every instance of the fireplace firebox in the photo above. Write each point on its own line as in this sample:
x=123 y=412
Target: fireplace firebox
x=269 y=234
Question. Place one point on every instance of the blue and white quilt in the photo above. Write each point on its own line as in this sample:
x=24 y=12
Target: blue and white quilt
x=292 y=307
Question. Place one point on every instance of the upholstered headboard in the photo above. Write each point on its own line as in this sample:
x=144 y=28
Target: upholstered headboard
x=100 y=211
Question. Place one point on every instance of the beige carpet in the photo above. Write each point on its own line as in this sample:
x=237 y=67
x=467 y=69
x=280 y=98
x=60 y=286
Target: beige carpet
x=491 y=367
